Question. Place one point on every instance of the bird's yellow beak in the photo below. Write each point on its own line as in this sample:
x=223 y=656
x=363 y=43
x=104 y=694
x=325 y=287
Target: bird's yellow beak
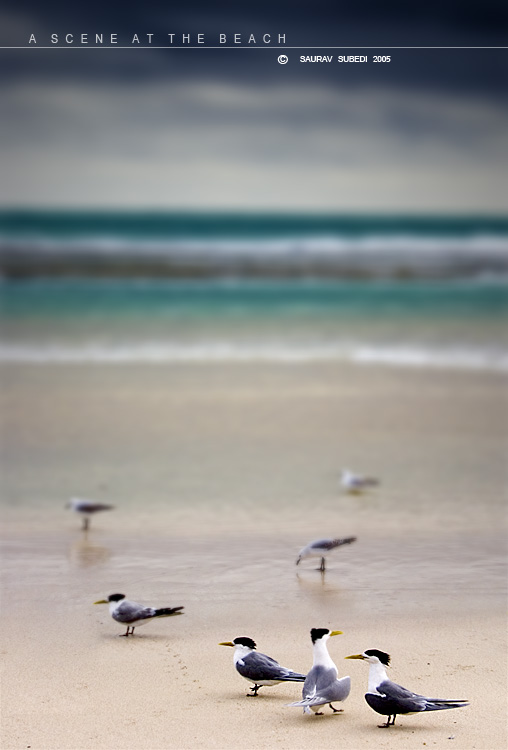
x=354 y=656
x=336 y=632
x=227 y=643
x=102 y=601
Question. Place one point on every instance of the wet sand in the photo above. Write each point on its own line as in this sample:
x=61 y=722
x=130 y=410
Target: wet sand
x=219 y=474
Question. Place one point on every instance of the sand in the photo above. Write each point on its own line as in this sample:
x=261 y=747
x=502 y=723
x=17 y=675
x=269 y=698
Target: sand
x=219 y=474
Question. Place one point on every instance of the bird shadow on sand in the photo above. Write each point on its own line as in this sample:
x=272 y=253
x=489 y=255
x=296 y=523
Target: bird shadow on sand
x=85 y=554
x=316 y=580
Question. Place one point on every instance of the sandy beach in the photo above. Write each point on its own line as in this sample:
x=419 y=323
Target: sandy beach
x=219 y=473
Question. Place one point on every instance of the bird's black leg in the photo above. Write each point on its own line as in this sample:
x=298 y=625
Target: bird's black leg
x=86 y=522
x=254 y=690
x=322 y=566
x=336 y=710
x=388 y=723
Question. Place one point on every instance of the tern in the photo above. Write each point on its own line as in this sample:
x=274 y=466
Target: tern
x=322 y=547
x=261 y=670
x=389 y=699
x=87 y=508
x=355 y=483
x=321 y=685
x=133 y=614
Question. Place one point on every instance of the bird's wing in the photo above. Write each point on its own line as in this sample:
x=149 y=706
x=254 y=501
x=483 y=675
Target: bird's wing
x=322 y=544
x=257 y=666
x=131 y=612
x=405 y=699
x=329 y=544
x=339 y=690
x=88 y=506
x=318 y=684
x=323 y=688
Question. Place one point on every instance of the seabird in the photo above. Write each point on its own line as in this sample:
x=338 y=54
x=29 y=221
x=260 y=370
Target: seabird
x=321 y=685
x=260 y=669
x=355 y=483
x=133 y=614
x=87 y=508
x=322 y=547
x=389 y=699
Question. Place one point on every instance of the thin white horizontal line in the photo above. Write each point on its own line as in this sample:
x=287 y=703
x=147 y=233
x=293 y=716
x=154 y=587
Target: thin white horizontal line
x=240 y=46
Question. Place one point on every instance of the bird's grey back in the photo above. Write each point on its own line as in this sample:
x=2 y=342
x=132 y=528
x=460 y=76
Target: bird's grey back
x=262 y=667
x=130 y=611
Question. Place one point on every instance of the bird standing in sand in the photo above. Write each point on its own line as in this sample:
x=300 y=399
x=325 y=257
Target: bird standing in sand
x=321 y=685
x=261 y=670
x=355 y=484
x=133 y=614
x=321 y=548
x=389 y=699
x=86 y=509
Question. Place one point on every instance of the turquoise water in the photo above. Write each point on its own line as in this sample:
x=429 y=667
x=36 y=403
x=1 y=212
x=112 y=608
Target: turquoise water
x=154 y=287
x=208 y=226
x=446 y=323
x=485 y=298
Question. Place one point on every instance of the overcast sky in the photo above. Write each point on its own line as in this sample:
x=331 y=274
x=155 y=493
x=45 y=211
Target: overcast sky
x=232 y=128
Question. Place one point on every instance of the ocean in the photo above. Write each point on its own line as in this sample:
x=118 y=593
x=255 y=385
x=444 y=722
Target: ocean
x=154 y=288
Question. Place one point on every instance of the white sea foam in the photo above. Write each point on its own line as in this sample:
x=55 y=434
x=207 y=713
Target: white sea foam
x=369 y=246
x=463 y=358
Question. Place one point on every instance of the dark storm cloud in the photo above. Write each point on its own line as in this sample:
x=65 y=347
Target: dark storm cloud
x=452 y=23
x=231 y=128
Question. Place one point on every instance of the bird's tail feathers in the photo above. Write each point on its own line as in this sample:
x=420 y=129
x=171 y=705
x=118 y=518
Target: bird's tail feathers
x=345 y=540
x=295 y=677
x=435 y=704
x=168 y=611
x=306 y=702
x=371 y=482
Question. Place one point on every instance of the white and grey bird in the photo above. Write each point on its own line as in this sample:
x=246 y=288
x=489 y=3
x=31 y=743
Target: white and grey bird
x=86 y=509
x=389 y=699
x=321 y=548
x=322 y=685
x=260 y=669
x=133 y=614
x=355 y=484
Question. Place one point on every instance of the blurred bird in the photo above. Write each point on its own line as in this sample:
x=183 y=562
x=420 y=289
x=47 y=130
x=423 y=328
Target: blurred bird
x=355 y=483
x=321 y=685
x=261 y=670
x=389 y=699
x=322 y=547
x=87 y=508
x=132 y=614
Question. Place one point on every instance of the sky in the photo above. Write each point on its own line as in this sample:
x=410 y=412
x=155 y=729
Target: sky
x=129 y=127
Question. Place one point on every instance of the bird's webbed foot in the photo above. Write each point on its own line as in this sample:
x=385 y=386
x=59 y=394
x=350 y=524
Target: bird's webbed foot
x=254 y=691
